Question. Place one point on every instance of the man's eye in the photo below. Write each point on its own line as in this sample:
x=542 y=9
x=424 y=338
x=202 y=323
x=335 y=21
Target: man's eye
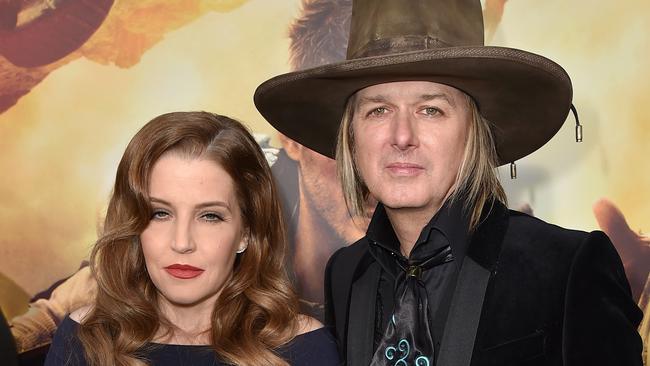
x=378 y=111
x=431 y=111
x=159 y=215
x=212 y=217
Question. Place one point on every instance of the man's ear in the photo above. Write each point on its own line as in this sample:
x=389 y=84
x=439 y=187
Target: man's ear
x=292 y=148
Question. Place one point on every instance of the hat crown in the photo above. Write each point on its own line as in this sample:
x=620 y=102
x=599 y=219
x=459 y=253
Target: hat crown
x=385 y=27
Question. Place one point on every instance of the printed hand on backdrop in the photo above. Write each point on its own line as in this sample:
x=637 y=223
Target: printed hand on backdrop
x=76 y=292
x=35 y=328
x=634 y=248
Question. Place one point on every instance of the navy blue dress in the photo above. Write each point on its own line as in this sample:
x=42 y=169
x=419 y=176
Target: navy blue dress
x=315 y=348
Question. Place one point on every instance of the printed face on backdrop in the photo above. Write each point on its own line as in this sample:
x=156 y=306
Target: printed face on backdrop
x=409 y=141
x=322 y=191
x=195 y=230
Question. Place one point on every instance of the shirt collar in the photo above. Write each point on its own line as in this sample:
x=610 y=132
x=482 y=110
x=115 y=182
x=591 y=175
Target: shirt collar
x=448 y=226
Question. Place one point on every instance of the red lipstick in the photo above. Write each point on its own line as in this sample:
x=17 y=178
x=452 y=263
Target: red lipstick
x=183 y=271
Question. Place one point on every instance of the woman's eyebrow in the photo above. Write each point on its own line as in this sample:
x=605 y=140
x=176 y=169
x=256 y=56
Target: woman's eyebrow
x=213 y=204
x=200 y=205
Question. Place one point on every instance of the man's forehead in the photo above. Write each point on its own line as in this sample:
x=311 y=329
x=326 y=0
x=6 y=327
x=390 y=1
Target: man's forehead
x=412 y=90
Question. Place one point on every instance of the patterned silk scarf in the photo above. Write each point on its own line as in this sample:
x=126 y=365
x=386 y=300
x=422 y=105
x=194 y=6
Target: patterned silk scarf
x=407 y=340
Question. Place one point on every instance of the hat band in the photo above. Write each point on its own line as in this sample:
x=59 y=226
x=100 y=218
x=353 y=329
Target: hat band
x=389 y=46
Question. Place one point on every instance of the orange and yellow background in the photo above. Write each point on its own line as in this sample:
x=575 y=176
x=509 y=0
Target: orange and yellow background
x=61 y=140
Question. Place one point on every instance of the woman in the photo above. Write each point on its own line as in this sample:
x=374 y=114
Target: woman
x=190 y=266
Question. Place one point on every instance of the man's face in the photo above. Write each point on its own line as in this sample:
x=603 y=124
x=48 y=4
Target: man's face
x=409 y=141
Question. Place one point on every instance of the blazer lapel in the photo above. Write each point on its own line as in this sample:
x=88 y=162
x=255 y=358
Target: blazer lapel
x=352 y=277
x=361 y=318
x=464 y=315
x=457 y=344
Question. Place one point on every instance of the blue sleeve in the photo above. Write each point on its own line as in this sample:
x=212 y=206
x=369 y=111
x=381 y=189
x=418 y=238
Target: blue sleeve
x=66 y=348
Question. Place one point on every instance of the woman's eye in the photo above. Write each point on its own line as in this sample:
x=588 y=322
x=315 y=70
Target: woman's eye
x=212 y=217
x=159 y=215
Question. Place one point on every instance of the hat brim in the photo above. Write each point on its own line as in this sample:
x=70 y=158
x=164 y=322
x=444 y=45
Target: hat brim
x=525 y=96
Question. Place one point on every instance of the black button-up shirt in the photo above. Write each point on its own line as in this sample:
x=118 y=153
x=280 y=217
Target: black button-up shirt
x=449 y=226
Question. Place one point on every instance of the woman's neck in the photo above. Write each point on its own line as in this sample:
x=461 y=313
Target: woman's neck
x=188 y=324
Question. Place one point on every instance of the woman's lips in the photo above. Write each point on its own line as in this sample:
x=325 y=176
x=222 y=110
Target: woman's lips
x=404 y=169
x=183 y=271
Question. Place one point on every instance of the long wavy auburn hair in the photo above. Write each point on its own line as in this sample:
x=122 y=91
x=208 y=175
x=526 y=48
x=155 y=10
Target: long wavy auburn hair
x=257 y=309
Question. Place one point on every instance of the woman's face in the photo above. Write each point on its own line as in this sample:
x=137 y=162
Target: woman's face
x=194 y=232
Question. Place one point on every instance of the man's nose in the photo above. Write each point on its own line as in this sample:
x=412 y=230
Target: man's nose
x=404 y=133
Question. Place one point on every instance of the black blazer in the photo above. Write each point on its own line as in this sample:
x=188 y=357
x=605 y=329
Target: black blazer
x=528 y=293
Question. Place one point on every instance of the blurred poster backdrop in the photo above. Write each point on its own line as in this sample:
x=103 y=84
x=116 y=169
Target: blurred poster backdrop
x=73 y=93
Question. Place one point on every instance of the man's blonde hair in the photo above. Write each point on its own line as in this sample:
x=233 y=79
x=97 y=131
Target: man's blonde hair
x=476 y=180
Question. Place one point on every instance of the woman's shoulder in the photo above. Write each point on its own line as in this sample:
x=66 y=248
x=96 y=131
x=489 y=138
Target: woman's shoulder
x=66 y=348
x=313 y=346
x=307 y=324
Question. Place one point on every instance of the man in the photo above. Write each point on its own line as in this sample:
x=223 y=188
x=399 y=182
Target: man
x=446 y=275
x=319 y=222
x=318 y=218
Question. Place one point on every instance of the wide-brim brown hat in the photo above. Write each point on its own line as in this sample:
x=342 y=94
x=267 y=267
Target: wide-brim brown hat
x=525 y=96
